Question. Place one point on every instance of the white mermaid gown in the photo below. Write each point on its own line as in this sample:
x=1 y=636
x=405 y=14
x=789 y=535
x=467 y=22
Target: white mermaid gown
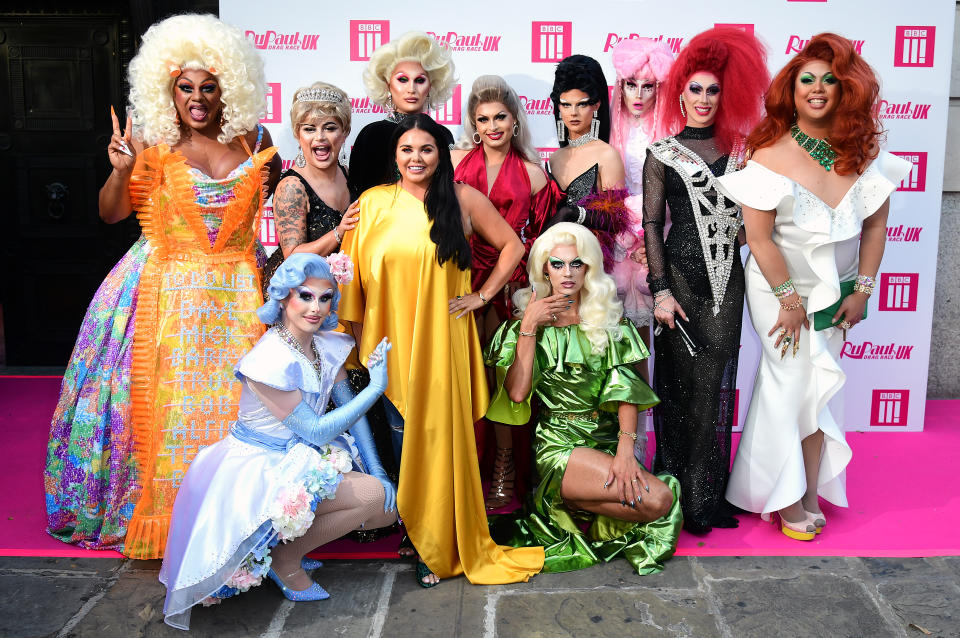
x=793 y=397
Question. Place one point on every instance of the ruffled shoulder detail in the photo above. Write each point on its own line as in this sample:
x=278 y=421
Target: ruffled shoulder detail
x=627 y=350
x=272 y=362
x=502 y=349
x=756 y=186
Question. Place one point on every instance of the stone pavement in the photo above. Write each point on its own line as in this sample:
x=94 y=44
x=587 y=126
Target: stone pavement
x=696 y=597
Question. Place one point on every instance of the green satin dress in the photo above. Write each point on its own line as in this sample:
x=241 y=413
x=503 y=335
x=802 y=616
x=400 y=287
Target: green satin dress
x=579 y=393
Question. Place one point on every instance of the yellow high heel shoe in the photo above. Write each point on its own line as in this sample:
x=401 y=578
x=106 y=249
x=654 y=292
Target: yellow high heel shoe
x=802 y=531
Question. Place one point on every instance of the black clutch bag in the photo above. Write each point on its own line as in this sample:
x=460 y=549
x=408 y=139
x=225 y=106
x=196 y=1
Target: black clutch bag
x=691 y=338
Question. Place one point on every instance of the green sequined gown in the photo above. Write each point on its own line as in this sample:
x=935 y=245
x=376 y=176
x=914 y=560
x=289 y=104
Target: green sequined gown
x=579 y=394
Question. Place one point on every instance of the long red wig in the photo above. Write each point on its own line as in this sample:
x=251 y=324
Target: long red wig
x=855 y=126
x=739 y=60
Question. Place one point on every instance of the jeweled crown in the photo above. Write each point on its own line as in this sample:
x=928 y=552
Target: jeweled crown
x=319 y=95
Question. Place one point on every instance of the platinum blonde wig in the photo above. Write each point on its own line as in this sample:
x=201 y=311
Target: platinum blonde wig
x=305 y=112
x=412 y=46
x=493 y=88
x=193 y=41
x=600 y=309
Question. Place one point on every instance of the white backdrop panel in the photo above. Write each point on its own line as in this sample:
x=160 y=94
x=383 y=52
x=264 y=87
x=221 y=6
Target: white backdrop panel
x=909 y=45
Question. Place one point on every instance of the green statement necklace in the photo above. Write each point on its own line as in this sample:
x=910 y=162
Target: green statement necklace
x=819 y=150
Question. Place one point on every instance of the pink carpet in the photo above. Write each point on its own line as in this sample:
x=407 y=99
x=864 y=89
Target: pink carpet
x=901 y=487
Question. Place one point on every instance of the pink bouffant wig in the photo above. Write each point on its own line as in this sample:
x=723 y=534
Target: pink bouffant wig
x=636 y=58
x=739 y=60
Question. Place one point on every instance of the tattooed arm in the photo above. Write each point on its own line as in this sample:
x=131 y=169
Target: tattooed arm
x=290 y=206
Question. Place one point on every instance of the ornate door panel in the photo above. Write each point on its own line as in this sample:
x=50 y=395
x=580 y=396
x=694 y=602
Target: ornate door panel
x=61 y=74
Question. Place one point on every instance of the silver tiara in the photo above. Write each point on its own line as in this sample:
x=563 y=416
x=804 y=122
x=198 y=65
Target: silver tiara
x=319 y=95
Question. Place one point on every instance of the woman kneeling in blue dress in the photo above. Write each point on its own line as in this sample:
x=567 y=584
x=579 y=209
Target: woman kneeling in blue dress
x=288 y=478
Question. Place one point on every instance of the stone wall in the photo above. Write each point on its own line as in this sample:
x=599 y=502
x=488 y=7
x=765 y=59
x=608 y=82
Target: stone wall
x=944 y=355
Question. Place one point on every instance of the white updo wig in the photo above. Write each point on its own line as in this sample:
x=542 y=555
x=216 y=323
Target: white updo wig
x=412 y=46
x=600 y=308
x=193 y=41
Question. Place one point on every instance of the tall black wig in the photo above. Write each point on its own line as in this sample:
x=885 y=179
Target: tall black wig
x=443 y=208
x=583 y=73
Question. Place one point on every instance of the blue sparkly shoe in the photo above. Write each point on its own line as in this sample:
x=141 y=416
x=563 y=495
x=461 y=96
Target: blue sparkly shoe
x=313 y=592
x=310 y=563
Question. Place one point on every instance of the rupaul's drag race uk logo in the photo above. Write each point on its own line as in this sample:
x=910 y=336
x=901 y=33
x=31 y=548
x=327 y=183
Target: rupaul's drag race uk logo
x=284 y=41
x=903 y=110
x=533 y=106
x=364 y=106
x=796 y=44
x=903 y=233
x=875 y=351
x=673 y=42
x=467 y=42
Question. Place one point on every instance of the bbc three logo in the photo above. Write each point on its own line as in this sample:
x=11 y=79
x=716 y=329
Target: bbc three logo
x=366 y=36
x=450 y=112
x=550 y=41
x=916 y=180
x=914 y=46
x=274 y=109
x=898 y=291
x=889 y=407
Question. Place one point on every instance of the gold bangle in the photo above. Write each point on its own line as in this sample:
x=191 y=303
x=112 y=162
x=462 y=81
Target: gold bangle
x=527 y=334
x=632 y=435
x=482 y=298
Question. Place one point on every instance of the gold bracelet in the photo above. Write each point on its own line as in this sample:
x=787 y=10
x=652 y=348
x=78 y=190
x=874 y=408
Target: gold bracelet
x=632 y=435
x=792 y=306
x=527 y=334
x=482 y=298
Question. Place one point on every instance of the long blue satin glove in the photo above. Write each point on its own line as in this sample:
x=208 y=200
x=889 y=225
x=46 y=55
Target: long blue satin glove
x=320 y=429
x=363 y=436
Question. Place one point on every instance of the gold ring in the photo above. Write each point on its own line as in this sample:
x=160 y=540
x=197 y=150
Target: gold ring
x=459 y=297
x=845 y=325
x=554 y=317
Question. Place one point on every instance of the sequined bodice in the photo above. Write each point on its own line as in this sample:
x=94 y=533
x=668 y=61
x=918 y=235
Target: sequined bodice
x=213 y=195
x=583 y=184
x=321 y=218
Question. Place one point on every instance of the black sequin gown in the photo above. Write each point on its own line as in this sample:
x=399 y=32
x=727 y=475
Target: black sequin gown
x=694 y=419
x=321 y=219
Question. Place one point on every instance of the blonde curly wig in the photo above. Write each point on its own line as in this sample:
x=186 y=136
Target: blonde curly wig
x=600 y=309
x=194 y=41
x=305 y=112
x=493 y=88
x=412 y=46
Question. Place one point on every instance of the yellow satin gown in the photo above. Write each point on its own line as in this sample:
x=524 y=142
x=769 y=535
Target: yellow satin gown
x=436 y=382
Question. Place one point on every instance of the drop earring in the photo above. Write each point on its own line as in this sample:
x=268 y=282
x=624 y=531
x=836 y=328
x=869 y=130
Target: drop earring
x=561 y=131
x=300 y=160
x=683 y=112
x=595 y=126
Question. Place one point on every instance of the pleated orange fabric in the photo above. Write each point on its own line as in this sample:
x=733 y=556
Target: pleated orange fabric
x=437 y=383
x=195 y=318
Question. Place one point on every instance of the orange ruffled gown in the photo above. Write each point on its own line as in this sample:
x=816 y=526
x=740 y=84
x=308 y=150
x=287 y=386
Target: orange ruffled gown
x=195 y=318
x=436 y=382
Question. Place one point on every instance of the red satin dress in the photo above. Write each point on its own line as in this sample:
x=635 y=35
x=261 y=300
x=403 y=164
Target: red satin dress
x=525 y=213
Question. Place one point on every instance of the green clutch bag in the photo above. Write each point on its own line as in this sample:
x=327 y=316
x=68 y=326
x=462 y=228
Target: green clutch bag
x=823 y=319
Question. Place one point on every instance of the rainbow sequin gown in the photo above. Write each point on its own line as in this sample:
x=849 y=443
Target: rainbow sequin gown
x=150 y=381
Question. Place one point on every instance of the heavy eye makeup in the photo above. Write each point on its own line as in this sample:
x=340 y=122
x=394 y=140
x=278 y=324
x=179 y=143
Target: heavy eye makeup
x=558 y=264
x=808 y=78
x=696 y=89
x=580 y=104
x=499 y=117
